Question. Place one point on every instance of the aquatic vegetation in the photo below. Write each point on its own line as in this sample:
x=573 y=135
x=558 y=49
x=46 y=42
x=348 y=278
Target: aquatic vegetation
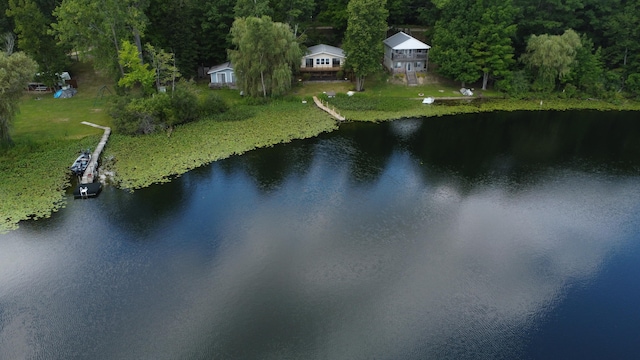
x=33 y=179
x=140 y=161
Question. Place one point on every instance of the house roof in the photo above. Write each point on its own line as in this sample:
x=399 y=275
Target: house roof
x=402 y=41
x=220 y=67
x=325 y=49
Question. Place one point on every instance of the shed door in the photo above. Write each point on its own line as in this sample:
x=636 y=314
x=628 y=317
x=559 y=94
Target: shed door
x=222 y=78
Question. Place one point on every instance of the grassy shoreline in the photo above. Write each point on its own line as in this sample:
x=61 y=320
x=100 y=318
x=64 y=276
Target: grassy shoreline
x=34 y=175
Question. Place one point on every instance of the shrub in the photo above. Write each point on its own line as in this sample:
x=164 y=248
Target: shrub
x=212 y=104
x=570 y=91
x=633 y=84
x=184 y=104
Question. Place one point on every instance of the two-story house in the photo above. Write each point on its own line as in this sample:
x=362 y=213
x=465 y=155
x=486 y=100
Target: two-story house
x=405 y=54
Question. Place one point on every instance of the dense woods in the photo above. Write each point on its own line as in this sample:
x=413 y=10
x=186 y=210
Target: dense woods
x=488 y=42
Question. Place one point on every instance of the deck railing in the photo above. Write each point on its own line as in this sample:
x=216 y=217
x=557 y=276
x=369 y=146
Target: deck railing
x=408 y=56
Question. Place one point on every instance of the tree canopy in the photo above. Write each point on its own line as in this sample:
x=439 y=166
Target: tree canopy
x=98 y=27
x=550 y=57
x=32 y=29
x=366 y=29
x=16 y=69
x=263 y=56
x=473 y=39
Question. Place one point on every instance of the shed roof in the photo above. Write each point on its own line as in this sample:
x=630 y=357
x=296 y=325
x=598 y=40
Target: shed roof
x=402 y=41
x=220 y=67
x=325 y=49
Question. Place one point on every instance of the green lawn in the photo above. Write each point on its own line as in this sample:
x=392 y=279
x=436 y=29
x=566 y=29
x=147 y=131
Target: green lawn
x=43 y=118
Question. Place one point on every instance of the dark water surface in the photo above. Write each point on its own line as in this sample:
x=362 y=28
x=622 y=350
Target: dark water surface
x=490 y=236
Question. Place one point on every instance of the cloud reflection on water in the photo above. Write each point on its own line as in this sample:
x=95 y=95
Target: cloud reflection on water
x=458 y=275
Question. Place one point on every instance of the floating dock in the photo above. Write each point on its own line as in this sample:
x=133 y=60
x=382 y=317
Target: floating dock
x=87 y=188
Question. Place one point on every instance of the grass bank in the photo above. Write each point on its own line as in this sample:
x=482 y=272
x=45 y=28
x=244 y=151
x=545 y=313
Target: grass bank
x=360 y=107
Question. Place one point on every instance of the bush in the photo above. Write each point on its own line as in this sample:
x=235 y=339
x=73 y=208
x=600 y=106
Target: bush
x=146 y=115
x=633 y=84
x=212 y=104
x=570 y=91
x=184 y=104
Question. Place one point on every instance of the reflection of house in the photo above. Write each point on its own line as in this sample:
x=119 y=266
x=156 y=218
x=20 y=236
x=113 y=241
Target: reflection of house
x=323 y=61
x=405 y=54
x=222 y=75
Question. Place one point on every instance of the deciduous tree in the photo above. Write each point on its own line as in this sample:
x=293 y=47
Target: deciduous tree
x=98 y=27
x=366 y=29
x=473 y=40
x=16 y=70
x=32 y=28
x=256 y=8
x=135 y=72
x=550 y=57
x=264 y=54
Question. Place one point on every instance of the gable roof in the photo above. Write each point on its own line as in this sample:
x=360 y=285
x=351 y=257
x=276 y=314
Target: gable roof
x=402 y=41
x=220 y=67
x=325 y=49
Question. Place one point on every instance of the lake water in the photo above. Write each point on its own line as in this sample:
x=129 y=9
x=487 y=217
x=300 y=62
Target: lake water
x=489 y=236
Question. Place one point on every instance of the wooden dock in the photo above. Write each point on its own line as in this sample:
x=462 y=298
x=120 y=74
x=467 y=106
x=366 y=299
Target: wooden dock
x=92 y=169
x=329 y=110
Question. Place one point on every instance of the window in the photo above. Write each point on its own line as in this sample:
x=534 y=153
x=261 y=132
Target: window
x=317 y=61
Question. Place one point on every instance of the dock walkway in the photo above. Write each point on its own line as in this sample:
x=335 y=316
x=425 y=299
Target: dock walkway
x=91 y=170
x=326 y=108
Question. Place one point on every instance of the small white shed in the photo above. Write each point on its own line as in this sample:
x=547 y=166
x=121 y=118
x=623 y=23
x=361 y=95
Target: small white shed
x=222 y=75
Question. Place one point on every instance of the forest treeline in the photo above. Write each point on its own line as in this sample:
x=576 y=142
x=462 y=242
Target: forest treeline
x=517 y=45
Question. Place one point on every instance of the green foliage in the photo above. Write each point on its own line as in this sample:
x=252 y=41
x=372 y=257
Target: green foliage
x=46 y=165
x=570 y=91
x=473 y=39
x=185 y=106
x=212 y=104
x=252 y=8
x=515 y=84
x=163 y=65
x=622 y=28
x=15 y=71
x=633 y=84
x=358 y=102
x=366 y=29
x=293 y=12
x=587 y=70
x=136 y=73
x=333 y=13
x=97 y=27
x=550 y=58
x=264 y=56
x=202 y=142
x=146 y=115
x=452 y=41
x=32 y=29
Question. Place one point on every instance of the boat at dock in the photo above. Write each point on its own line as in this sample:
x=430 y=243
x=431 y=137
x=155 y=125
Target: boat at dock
x=80 y=165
